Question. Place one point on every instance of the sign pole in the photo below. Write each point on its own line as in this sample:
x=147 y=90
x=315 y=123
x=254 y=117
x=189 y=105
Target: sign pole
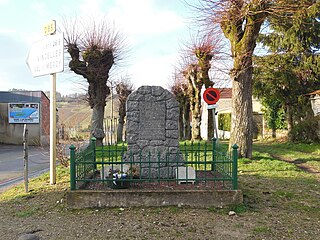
x=215 y=128
x=50 y=29
x=25 y=156
x=46 y=57
x=211 y=96
x=53 y=135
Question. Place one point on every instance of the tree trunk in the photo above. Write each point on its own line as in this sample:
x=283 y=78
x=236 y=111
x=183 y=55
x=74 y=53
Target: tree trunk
x=122 y=115
x=274 y=132
x=186 y=121
x=98 y=91
x=181 y=125
x=196 y=115
x=289 y=121
x=120 y=131
x=241 y=116
x=242 y=36
x=97 y=123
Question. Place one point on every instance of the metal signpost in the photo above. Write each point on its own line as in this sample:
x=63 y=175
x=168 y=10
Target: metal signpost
x=25 y=157
x=211 y=96
x=46 y=57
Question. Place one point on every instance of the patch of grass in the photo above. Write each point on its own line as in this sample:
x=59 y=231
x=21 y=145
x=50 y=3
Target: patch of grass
x=157 y=210
x=295 y=152
x=284 y=148
x=304 y=206
x=261 y=229
x=38 y=185
x=268 y=167
x=315 y=164
x=27 y=213
x=191 y=229
x=245 y=160
x=238 y=208
x=268 y=182
x=173 y=209
x=283 y=194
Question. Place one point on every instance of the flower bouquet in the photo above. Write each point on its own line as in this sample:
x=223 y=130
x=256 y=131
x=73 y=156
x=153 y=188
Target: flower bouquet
x=120 y=180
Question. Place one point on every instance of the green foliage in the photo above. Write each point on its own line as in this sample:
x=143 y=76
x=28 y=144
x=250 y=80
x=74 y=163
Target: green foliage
x=27 y=213
x=274 y=113
x=291 y=69
x=224 y=121
x=306 y=131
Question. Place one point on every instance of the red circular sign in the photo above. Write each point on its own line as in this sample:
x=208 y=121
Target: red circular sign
x=211 y=96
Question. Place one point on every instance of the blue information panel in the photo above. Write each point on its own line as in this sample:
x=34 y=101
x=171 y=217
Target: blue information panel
x=23 y=112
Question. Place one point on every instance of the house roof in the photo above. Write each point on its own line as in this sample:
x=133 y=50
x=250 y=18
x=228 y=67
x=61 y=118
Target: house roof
x=314 y=93
x=20 y=96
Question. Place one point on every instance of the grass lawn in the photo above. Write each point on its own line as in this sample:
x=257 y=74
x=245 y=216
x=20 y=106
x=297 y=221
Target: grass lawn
x=281 y=201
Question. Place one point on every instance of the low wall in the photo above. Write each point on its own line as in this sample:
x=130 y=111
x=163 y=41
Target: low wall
x=155 y=198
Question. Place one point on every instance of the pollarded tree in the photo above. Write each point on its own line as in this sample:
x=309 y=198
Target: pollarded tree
x=94 y=48
x=179 y=88
x=123 y=89
x=190 y=73
x=241 y=21
x=205 y=50
x=198 y=58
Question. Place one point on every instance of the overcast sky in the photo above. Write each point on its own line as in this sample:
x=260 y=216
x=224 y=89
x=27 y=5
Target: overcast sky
x=155 y=31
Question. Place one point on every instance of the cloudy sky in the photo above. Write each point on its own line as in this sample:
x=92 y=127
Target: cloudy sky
x=154 y=30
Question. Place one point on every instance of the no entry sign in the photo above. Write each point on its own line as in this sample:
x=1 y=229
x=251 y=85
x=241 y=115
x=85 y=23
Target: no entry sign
x=211 y=96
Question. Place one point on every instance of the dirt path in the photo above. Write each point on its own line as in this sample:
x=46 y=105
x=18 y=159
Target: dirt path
x=300 y=164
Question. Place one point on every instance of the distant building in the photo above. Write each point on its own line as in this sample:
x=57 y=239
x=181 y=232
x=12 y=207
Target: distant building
x=315 y=104
x=24 y=107
x=224 y=105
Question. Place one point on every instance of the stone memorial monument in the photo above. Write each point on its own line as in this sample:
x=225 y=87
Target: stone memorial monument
x=152 y=132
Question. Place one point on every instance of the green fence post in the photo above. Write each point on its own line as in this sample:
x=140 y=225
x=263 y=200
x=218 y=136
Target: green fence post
x=214 y=145
x=235 y=167
x=93 y=148
x=72 y=167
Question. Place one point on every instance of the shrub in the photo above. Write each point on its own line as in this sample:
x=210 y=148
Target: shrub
x=306 y=131
x=224 y=121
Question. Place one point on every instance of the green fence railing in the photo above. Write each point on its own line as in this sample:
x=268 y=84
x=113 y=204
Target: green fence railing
x=196 y=166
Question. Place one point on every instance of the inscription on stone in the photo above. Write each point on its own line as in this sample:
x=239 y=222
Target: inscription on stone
x=152 y=121
x=152 y=132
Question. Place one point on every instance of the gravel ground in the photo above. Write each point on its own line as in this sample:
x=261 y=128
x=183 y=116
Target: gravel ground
x=46 y=216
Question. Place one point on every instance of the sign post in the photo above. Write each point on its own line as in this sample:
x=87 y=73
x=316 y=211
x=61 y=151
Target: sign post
x=211 y=96
x=46 y=57
x=53 y=127
x=25 y=157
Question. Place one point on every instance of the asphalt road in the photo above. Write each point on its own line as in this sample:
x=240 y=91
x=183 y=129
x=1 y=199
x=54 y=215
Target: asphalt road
x=12 y=165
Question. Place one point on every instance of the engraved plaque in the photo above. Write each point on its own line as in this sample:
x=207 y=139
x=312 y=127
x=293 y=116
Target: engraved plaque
x=152 y=124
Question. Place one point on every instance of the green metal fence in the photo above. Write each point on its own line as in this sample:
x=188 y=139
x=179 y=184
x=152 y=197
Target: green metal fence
x=196 y=166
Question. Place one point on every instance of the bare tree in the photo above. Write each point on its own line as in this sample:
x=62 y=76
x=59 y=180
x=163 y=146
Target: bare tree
x=241 y=21
x=179 y=88
x=206 y=49
x=123 y=89
x=194 y=93
x=94 y=48
x=197 y=61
